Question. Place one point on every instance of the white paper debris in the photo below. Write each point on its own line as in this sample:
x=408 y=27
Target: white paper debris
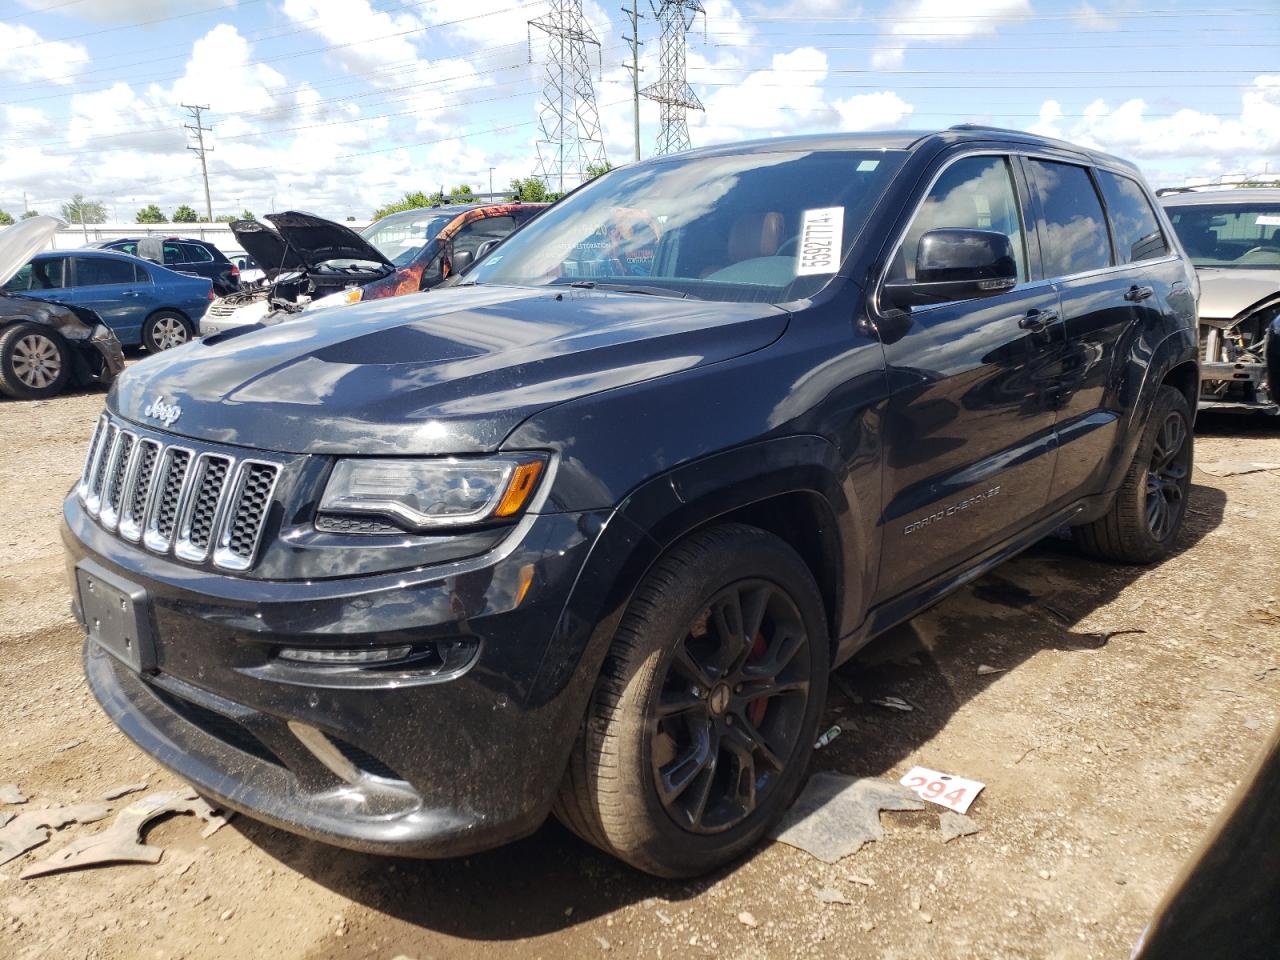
x=944 y=789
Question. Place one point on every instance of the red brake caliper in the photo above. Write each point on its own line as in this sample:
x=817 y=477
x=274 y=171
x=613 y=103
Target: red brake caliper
x=757 y=707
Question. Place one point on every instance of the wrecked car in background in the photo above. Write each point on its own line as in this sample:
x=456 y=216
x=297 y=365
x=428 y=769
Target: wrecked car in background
x=311 y=263
x=46 y=345
x=1233 y=238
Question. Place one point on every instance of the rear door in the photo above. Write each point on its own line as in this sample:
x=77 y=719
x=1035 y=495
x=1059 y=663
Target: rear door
x=969 y=437
x=109 y=286
x=1100 y=302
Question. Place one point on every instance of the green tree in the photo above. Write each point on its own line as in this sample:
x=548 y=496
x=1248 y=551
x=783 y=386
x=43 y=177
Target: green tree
x=410 y=201
x=29 y=214
x=461 y=194
x=351 y=219
x=150 y=214
x=80 y=210
x=6 y=218
x=226 y=218
x=529 y=190
x=247 y=215
x=185 y=214
x=595 y=169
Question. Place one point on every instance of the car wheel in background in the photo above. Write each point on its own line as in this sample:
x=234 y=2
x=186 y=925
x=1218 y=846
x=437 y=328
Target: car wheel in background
x=1147 y=514
x=704 y=716
x=34 y=362
x=165 y=330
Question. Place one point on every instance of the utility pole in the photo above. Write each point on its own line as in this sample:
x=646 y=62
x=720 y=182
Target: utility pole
x=491 y=169
x=200 y=130
x=672 y=91
x=635 y=16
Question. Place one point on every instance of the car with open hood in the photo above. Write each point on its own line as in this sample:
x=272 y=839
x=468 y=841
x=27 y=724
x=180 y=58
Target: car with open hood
x=1233 y=238
x=46 y=344
x=586 y=532
x=312 y=263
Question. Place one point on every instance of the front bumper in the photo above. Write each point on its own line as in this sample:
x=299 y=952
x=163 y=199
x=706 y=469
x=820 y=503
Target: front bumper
x=436 y=764
x=107 y=359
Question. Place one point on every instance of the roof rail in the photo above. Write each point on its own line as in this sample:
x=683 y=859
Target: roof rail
x=1167 y=191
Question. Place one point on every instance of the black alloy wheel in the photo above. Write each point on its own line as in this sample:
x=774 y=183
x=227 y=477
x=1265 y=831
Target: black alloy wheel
x=731 y=707
x=1168 y=476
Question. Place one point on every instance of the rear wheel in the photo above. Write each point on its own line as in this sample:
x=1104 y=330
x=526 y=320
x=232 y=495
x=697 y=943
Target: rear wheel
x=705 y=713
x=1147 y=514
x=165 y=330
x=34 y=362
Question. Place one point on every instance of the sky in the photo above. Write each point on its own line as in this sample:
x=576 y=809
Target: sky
x=339 y=106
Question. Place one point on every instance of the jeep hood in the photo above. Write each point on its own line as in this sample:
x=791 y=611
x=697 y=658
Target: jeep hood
x=448 y=372
x=22 y=241
x=266 y=247
x=1226 y=292
x=315 y=239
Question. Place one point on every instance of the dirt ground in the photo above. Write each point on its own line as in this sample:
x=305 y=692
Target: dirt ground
x=1104 y=762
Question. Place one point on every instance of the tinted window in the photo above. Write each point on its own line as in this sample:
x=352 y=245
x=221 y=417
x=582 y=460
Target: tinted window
x=1243 y=233
x=1073 y=233
x=470 y=237
x=196 y=254
x=39 y=275
x=173 y=253
x=141 y=274
x=130 y=248
x=1134 y=223
x=99 y=271
x=974 y=193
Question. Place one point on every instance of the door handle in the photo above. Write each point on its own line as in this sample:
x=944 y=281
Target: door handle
x=131 y=293
x=1136 y=293
x=1037 y=320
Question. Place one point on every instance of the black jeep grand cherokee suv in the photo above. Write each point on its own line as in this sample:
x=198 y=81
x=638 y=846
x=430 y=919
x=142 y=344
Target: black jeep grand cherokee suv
x=587 y=532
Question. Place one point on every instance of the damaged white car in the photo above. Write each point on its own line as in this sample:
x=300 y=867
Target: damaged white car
x=1233 y=238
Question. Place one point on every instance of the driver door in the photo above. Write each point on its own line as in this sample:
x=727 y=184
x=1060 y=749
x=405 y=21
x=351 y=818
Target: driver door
x=969 y=436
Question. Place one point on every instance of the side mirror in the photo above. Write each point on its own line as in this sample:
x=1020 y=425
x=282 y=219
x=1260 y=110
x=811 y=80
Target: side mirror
x=483 y=250
x=957 y=264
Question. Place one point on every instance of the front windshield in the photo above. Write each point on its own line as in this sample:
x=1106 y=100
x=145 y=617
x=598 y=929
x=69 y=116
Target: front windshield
x=759 y=227
x=1239 y=234
x=401 y=239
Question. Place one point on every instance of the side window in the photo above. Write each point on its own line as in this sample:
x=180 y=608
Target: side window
x=20 y=280
x=99 y=271
x=974 y=193
x=141 y=274
x=173 y=254
x=478 y=231
x=1073 y=232
x=195 y=254
x=130 y=248
x=47 y=274
x=1137 y=231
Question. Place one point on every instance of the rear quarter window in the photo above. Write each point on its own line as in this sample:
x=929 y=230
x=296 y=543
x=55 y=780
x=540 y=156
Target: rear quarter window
x=1137 y=231
x=1073 y=229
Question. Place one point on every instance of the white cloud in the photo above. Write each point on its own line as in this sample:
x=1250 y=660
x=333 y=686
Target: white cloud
x=1128 y=131
x=26 y=56
x=882 y=110
x=780 y=97
x=943 y=21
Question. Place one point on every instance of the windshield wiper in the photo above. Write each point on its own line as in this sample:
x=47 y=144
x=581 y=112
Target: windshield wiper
x=633 y=288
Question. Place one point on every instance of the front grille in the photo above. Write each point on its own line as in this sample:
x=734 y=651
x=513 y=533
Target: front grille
x=364 y=760
x=177 y=499
x=229 y=731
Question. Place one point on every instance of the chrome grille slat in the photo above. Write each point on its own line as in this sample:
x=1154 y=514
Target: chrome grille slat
x=117 y=474
x=197 y=505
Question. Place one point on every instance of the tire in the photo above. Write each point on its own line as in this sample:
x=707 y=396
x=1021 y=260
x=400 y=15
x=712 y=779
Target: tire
x=166 y=329
x=1138 y=528
x=34 y=362
x=668 y=638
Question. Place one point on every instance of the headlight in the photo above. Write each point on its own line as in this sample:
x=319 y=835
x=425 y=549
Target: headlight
x=428 y=494
x=339 y=299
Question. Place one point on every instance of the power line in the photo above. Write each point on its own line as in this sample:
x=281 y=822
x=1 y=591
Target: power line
x=672 y=91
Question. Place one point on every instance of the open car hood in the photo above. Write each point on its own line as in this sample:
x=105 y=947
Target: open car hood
x=316 y=240
x=22 y=241
x=266 y=247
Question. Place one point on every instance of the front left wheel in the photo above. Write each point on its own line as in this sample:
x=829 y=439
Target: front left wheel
x=34 y=362
x=165 y=330
x=704 y=716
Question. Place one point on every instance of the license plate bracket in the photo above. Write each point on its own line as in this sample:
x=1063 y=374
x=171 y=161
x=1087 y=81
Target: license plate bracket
x=117 y=616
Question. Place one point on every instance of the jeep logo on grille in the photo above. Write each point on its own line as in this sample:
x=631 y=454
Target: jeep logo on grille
x=166 y=413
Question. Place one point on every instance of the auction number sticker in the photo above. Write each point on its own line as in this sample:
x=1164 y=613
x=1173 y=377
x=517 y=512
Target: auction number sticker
x=1268 y=220
x=955 y=793
x=820 y=237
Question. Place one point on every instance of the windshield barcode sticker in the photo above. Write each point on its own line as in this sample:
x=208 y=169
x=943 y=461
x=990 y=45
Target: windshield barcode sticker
x=1268 y=220
x=820 y=237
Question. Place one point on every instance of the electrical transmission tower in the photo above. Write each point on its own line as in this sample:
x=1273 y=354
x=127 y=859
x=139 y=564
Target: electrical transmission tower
x=567 y=114
x=672 y=91
x=200 y=130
